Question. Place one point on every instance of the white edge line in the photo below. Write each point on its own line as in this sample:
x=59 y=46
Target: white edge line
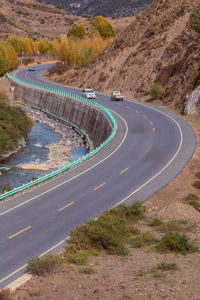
x=123 y=200
x=169 y=162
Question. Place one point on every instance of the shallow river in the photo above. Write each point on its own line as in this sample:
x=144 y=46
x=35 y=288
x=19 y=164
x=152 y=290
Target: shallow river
x=34 y=150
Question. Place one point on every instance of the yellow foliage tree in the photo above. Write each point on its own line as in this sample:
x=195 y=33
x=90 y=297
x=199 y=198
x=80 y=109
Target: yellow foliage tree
x=8 y=57
x=103 y=26
x=44 y=46
x=15 y=42
x=77 y=31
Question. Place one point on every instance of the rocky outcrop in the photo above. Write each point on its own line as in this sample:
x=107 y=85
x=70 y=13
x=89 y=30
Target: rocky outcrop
x=192 y=101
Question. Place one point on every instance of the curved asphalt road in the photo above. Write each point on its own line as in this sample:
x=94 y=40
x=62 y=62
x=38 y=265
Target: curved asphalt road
x=151 y=147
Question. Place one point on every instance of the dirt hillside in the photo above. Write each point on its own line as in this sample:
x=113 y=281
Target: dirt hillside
x=159 y=46
x=28 y=18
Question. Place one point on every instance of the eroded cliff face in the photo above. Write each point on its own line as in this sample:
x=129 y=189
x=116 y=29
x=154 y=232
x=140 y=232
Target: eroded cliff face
x=159 y=47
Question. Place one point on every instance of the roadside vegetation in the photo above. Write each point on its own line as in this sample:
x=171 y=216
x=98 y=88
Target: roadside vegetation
x=115 y=232
x=14 y=125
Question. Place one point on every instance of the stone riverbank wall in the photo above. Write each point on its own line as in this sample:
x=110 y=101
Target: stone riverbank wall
x=89 y=119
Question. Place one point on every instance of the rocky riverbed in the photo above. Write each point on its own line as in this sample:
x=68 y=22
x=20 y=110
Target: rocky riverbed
x=59 y=153
x=51 y=144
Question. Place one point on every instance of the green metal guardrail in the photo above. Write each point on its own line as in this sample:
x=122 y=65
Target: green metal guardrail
x=82 y=159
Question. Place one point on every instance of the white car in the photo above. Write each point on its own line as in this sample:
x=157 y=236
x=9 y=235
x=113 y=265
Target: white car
x=89 y=94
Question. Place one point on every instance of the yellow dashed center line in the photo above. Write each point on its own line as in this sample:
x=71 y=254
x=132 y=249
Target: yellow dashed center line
x=154 y=129
x=66 y=206
x=151 y=123
x=99 y=186
x=10 y=237
x=123 y=171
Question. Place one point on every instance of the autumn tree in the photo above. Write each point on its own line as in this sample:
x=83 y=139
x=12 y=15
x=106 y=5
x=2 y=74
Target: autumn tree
x=103 y=26
x=44 y=46
x=8 y=57
x=77 y=31
x=15 y=42
x=55 y=46
x=27 y=45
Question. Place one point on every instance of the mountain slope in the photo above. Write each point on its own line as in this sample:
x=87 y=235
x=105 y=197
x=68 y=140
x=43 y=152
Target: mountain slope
x=158 y=47
x=32 y=19
x=106 y=8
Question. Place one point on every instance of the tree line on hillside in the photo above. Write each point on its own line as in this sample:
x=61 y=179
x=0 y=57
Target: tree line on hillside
x=77 y=48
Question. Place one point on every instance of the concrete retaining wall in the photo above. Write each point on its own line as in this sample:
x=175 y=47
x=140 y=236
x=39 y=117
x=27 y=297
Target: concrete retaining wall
x=92 y=121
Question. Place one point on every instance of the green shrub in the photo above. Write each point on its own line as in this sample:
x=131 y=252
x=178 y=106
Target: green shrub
x=196 y=184
x=143 y=239
x=196 y=74
x=156 y=91
x=159 y=275
x=87 y=270
x=176 y=225
x=156 y=222
x=192 y=200
x=195 y=18
x=110 y=232
x=41 y=265
x=167 y=266
x=176 y=243
x=197 y=175
x=131 y=213
x=35 y=293
x=76 y=255
x=183 y=6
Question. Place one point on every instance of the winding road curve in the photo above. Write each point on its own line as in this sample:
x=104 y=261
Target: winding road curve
x=151 y=147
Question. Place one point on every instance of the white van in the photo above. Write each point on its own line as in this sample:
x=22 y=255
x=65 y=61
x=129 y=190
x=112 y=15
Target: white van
x=89 y=94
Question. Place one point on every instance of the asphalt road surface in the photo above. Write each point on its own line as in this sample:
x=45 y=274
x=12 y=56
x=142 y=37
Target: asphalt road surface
x=151 y=147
